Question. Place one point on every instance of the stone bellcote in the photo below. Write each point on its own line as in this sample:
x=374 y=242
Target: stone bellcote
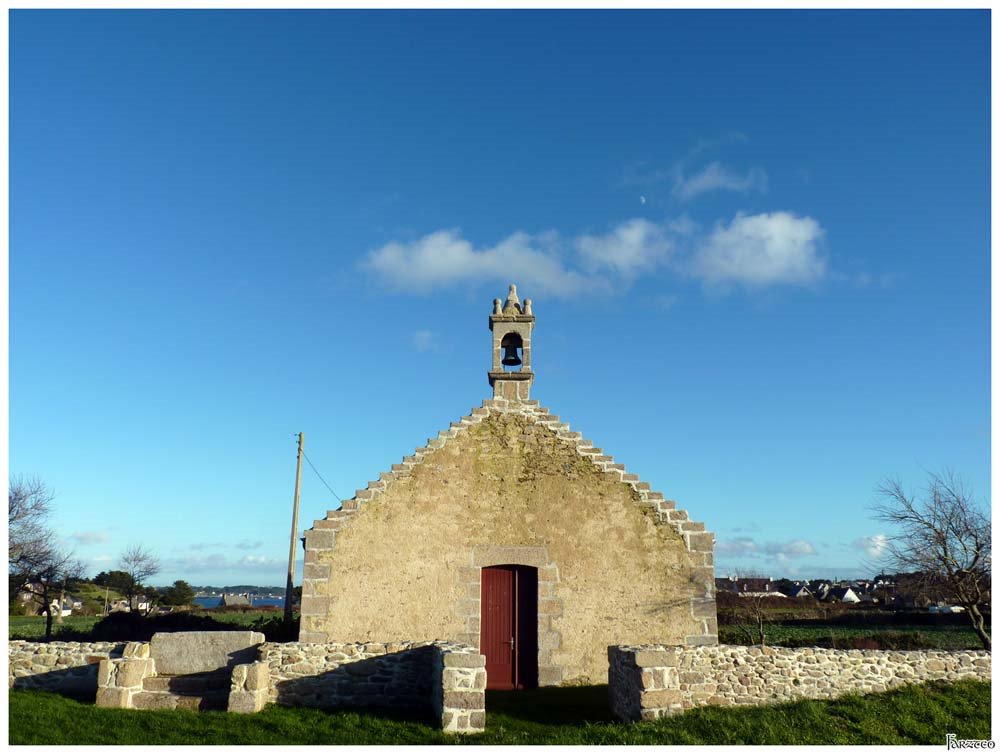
x=511 y=324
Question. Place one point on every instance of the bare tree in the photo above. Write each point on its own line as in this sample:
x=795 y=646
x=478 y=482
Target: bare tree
x=748 y=611
x=36 y=561
x=30 y=540
x=945 y=537
x=46 y=580
x=140 y=564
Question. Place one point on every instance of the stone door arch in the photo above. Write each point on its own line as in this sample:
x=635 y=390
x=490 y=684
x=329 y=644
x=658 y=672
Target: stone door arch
x=550 y=604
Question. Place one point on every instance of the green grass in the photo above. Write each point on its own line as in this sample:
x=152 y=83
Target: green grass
x=931 y=637
x=93 y=596
x=33 y=626
x=912 y=715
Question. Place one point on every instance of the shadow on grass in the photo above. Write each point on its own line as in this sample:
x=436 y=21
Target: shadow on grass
x=568 y=705
x=122 y=627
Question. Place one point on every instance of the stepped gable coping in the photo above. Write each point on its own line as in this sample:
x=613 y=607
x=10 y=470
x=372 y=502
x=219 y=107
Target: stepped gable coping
x=696 y=538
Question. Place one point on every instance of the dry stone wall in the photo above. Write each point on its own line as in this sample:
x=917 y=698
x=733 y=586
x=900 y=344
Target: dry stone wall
x=648 y=682
x=445 y=678
x=448 y=678
x=67 y=667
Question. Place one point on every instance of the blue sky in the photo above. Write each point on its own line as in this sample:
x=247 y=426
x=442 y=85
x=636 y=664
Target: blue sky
x=757 y=245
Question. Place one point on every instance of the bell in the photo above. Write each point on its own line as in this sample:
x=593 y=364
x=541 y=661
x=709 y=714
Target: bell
x=510 y=357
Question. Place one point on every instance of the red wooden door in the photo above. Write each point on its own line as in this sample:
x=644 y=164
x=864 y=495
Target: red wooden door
x=509 y=626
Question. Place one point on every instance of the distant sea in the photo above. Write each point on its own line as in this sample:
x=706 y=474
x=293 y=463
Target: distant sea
x=257 y=601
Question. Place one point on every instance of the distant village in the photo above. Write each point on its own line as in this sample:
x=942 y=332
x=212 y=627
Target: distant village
x=68 y=603
x=887 y=592
x=904 y=591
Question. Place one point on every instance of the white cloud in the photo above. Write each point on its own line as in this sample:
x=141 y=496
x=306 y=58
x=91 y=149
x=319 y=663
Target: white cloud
x=753 y=250
x=778 y=551
x=796 y=548
x=90 y=537
x=444 y=258
x=630 y=247
x=875 y=546
x=601 y=264
x=424 y=340
x=737 y=546
x=102 y=559
x=681 y=226
x=216 y=562
x=246 y=544
x=198 y=563
x=259 y=562
x=758 y=250
x=717 y=177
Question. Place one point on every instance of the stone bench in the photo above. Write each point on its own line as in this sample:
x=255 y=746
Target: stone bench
x=152 y=675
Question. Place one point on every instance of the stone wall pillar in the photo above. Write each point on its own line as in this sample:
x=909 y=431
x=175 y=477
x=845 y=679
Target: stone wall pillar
x=118 y=680
x=249 y=687
x=643 y=682
x=459 y=694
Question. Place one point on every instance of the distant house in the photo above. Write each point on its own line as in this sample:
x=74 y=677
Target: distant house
x=842 y=594
x=27 y=591
x=797 y=591
x=142 y=605
x=820 y=588
x=725 y=584
x=757 y=587
x=31 y=593
x=748 y=587
x=234 y=600
x=67 y=608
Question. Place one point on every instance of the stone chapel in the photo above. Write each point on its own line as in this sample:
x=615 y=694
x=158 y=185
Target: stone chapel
x=511 y=533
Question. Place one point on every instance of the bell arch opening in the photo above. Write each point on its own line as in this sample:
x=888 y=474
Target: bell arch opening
x=513 y=352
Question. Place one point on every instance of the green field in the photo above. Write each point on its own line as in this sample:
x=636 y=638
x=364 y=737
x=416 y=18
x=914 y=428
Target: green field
x=881 y=637
x=913 y=715
x=33 y=626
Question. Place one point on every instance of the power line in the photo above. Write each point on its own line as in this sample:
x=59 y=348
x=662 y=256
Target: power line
x=320 y=476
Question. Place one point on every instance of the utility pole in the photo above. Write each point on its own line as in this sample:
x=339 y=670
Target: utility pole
x=62 y=597
x=289 y=585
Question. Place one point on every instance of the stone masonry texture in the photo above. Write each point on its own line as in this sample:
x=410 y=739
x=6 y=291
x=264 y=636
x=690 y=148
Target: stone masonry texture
x=652 y=681
x=622 y=565
x=446 y=679
x=181 y=652
x=67 y=667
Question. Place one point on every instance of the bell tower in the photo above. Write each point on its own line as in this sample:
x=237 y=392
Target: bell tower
x=511 y=325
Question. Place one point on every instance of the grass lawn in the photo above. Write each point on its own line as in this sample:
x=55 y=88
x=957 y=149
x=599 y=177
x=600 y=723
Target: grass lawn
x=32 y=627
x=936 y=637
x=913 y=715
